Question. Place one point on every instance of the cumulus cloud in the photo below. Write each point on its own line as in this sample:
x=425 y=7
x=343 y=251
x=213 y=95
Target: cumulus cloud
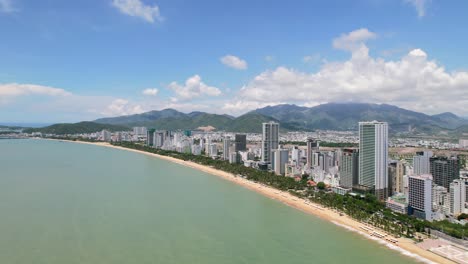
x=6 y=6
x=120 y=107
x=420 y=6
x=137 y=8
x=234 y=62
x=193 y=87
x=16 y=89
x=150 y=91
x=353 y=40
x=413 y=82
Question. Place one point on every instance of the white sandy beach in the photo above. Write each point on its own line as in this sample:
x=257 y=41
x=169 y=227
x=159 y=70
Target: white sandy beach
x=404 y=245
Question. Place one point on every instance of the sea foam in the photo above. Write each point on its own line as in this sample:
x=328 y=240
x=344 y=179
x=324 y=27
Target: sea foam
x=387 y=244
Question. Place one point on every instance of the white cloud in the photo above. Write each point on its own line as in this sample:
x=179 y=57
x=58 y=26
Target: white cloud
x=234 y=62
x=194 y=87
x=16 y=89
x=311 y=58
x=420 y=6
x=120 y=107
x=353 y=40
x=6 y=6
x=150 y=91
x=414 y=82
x=137 y=8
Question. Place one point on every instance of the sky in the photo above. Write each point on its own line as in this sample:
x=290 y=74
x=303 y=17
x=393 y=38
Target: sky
x=68 y=61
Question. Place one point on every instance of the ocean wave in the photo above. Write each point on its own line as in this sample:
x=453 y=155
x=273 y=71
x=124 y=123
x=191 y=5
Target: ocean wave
x=387 y=244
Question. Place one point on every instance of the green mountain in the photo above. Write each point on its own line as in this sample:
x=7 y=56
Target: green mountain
x=171 y=119
x=345 y=116
x=331 y=116
x=76 y=128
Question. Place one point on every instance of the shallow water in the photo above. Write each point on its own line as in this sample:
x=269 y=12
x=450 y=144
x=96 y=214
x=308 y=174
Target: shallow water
x=74 y=203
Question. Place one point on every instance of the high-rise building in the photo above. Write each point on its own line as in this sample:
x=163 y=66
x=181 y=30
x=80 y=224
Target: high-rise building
x=396 y=171
x=270 y=140
x=373 y=157
x=240 y=142
x=159 y=139
x=421 y=162
x=420 y=196
x=139 y=131
x=312 y=147
x=400 y=172
x=349 y=168
x=280 y=159
x=150 y=137
x=444 y=170
x=457 y=196
x=226 y=145
x=106 y=135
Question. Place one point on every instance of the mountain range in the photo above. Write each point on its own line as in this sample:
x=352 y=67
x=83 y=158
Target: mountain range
x=330 y=116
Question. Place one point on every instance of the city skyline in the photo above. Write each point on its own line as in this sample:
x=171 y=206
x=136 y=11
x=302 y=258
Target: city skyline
x=159 y=54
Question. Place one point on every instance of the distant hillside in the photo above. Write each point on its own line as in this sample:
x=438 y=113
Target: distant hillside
x=76 y=128
x=331 y=116
x=345 y=116
x=171 y=119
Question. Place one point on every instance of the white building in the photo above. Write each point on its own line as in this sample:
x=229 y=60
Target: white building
x=373 y=157
x=106 y=135
x=420 y=196
x=213 y=150
x=440 y=201
x=281 y=157
x=270 y=140
x=421 y=164
x=457 y=197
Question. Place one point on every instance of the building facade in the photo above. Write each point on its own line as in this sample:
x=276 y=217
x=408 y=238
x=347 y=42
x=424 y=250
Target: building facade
x=373 y=157
x=270 y=140
x=457 y=197
x=444 y=170
x=421 y=162
x=226 y=146
x=349 y=168
x=420 y=196
x=312 y=147
x=240 y=142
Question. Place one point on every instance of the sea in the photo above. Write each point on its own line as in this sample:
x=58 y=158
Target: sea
x=63 y=202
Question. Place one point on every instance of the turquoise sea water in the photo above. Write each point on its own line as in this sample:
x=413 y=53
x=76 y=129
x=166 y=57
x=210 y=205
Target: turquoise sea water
x=74 y=203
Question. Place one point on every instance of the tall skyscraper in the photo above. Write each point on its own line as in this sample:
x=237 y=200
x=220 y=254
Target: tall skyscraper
x=421 y=163
x=150 y=137
x=444 y=170
x=240 y=142
x=349 y=168
x=312 y=147
x=420 y=196
x=373 y=157
x=270 y=140
x=226 y=145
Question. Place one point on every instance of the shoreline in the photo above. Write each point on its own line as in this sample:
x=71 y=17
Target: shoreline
x=404 y=246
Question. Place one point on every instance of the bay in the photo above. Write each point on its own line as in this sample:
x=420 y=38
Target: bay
x=64 y=202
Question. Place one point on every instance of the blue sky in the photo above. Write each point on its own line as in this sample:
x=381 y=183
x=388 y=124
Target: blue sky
x=66 y=61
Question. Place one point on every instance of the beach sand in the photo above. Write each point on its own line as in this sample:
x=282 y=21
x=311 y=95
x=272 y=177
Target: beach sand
x=404 y=245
